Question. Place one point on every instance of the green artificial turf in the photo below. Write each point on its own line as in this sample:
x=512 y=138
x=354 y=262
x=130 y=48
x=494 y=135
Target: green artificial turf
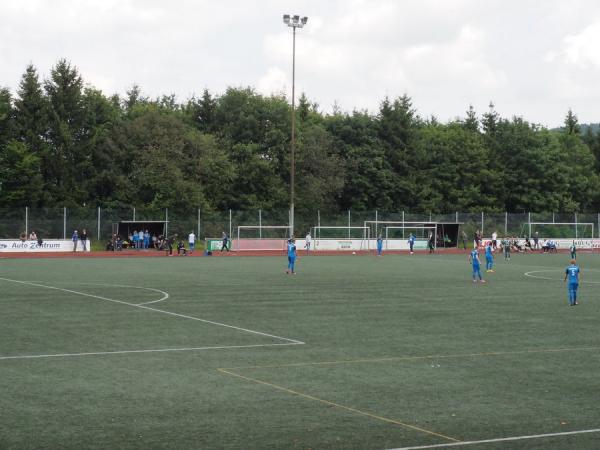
x=353 y=352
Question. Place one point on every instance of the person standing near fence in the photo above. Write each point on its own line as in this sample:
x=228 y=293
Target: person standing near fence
x=536 y=240
x=225 y=242
x=431 y=242
x=573 y=250
x=75 y=238
x=146 y=240
x=141 y=239
x=411 y=242
x=192 y=242
x=379 y=245
x=464 y=239
x=307 y=242
x=84 y=240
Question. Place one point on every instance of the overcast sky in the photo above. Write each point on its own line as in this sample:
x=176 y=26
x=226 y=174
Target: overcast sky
x=534 y=59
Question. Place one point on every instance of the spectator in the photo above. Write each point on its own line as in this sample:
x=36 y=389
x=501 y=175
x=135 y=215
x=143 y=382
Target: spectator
x=84 y=239
x=146 y=239
x=192 y=242
x=536 y=239
x=134 y=238
x=75 y=238
x=141 y=239
x=225 y=242
x=32 y=236
x=181 y=248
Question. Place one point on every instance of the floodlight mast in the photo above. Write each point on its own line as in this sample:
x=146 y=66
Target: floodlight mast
x=293 y=22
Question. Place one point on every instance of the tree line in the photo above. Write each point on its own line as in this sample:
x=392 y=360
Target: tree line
x=66 y=143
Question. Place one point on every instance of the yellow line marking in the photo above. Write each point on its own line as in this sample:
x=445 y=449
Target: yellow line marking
x=337 y=405
x=409 y=358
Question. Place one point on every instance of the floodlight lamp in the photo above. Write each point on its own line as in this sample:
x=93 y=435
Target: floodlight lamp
x=304 y=20
x=296 y=19
x=286 y=19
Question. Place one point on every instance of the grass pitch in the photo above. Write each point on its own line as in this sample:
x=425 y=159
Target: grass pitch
x=353 y=352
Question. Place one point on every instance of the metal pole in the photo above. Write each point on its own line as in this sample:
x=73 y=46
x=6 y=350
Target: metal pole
x=260 y=223
x=482 y=224
x=506 y=224
x=456 y=220
x=98 y=223
x=198 y=223
x=293 y=146
x=230 y=226
x=64 y=222
x=575 y=225
x=403 y=224
x=349 y=224
x=376 y=225
x=529 y=221
x=26 y=222
x=318 y=224
x=134 y=213
x=166 y=221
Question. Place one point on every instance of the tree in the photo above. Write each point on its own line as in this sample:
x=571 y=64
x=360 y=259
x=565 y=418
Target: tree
x=571 y=123
x=21 y=183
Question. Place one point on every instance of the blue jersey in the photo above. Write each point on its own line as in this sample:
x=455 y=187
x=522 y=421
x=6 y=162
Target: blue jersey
x=412 y=239
x=475 y=258
x=291 y=250
x=573 y=272
x=488 y=252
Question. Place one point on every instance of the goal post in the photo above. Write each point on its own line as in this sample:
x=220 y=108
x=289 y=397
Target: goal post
x=396 y=236
x=261 y=237
x=565 y=233
x=342 y=237
x=562 y=230
x=396 y=232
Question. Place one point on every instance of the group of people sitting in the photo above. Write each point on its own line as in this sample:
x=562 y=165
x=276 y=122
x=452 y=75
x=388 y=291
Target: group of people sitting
x=523 y=246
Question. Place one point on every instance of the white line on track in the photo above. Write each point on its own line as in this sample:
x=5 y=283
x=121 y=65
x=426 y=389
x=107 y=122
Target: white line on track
x=162 y=311
x=506 y=439
x=539 y=277
x=160 y=350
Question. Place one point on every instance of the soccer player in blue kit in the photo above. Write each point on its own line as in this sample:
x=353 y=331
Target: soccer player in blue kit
x=291 y=254
x=489 y=258
x=572 y=273
x=474 y=261
x=411 y=242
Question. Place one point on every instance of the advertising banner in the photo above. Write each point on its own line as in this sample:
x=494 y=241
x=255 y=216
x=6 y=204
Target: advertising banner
x=50 y=245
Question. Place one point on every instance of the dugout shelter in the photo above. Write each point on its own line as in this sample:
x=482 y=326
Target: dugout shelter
x=154 y=227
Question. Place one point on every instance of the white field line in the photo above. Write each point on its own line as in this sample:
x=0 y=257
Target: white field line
x=162 y=311
x=530 y=275
x=160 y=350
x=506 y=439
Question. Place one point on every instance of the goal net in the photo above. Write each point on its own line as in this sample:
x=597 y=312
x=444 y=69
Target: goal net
x=564 y=233
x=564 y=230
x=396 y=237
x=261 y=237
x=396 y=233
x=340 y=237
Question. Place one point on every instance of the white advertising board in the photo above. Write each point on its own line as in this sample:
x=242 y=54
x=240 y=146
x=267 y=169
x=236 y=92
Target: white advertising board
x=362 y=244
x=50 y=245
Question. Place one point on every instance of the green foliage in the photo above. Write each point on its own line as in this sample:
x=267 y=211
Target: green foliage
x=64 y=143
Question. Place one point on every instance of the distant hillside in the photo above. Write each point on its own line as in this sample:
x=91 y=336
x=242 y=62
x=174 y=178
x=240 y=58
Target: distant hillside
x=584 y=127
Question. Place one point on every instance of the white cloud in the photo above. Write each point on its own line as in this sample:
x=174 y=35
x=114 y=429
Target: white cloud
x=582 y=48
x=531 y=59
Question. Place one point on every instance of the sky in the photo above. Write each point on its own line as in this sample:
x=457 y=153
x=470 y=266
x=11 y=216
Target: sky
x=532 y=59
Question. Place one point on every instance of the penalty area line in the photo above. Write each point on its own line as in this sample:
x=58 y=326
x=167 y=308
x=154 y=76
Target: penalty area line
x=506 y=439
x=160 y=350
x=162 y=311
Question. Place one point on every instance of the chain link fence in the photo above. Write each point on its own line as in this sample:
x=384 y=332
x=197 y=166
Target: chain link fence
x=101 y=223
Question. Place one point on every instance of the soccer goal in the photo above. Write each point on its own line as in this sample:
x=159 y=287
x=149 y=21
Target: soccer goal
x=396 y=233
x=261 y=237
x=396 y=237
x=340 y=237
x=564 y=233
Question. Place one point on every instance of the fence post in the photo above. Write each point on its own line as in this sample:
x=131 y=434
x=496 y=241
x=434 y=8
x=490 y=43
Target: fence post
x=166 y=221
x=98 y=223
x=575 y=225
x=64 y=222
x=376 y=225
x=318 y=232
x=529 y=221
x=456 y=215
x=482 y=219
x=403 y=224
x=198 y=223
x=349 y=224
x=260 y=223
x=26 y=221
x=506 y=224
x=134 y=213
x=230 y=225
